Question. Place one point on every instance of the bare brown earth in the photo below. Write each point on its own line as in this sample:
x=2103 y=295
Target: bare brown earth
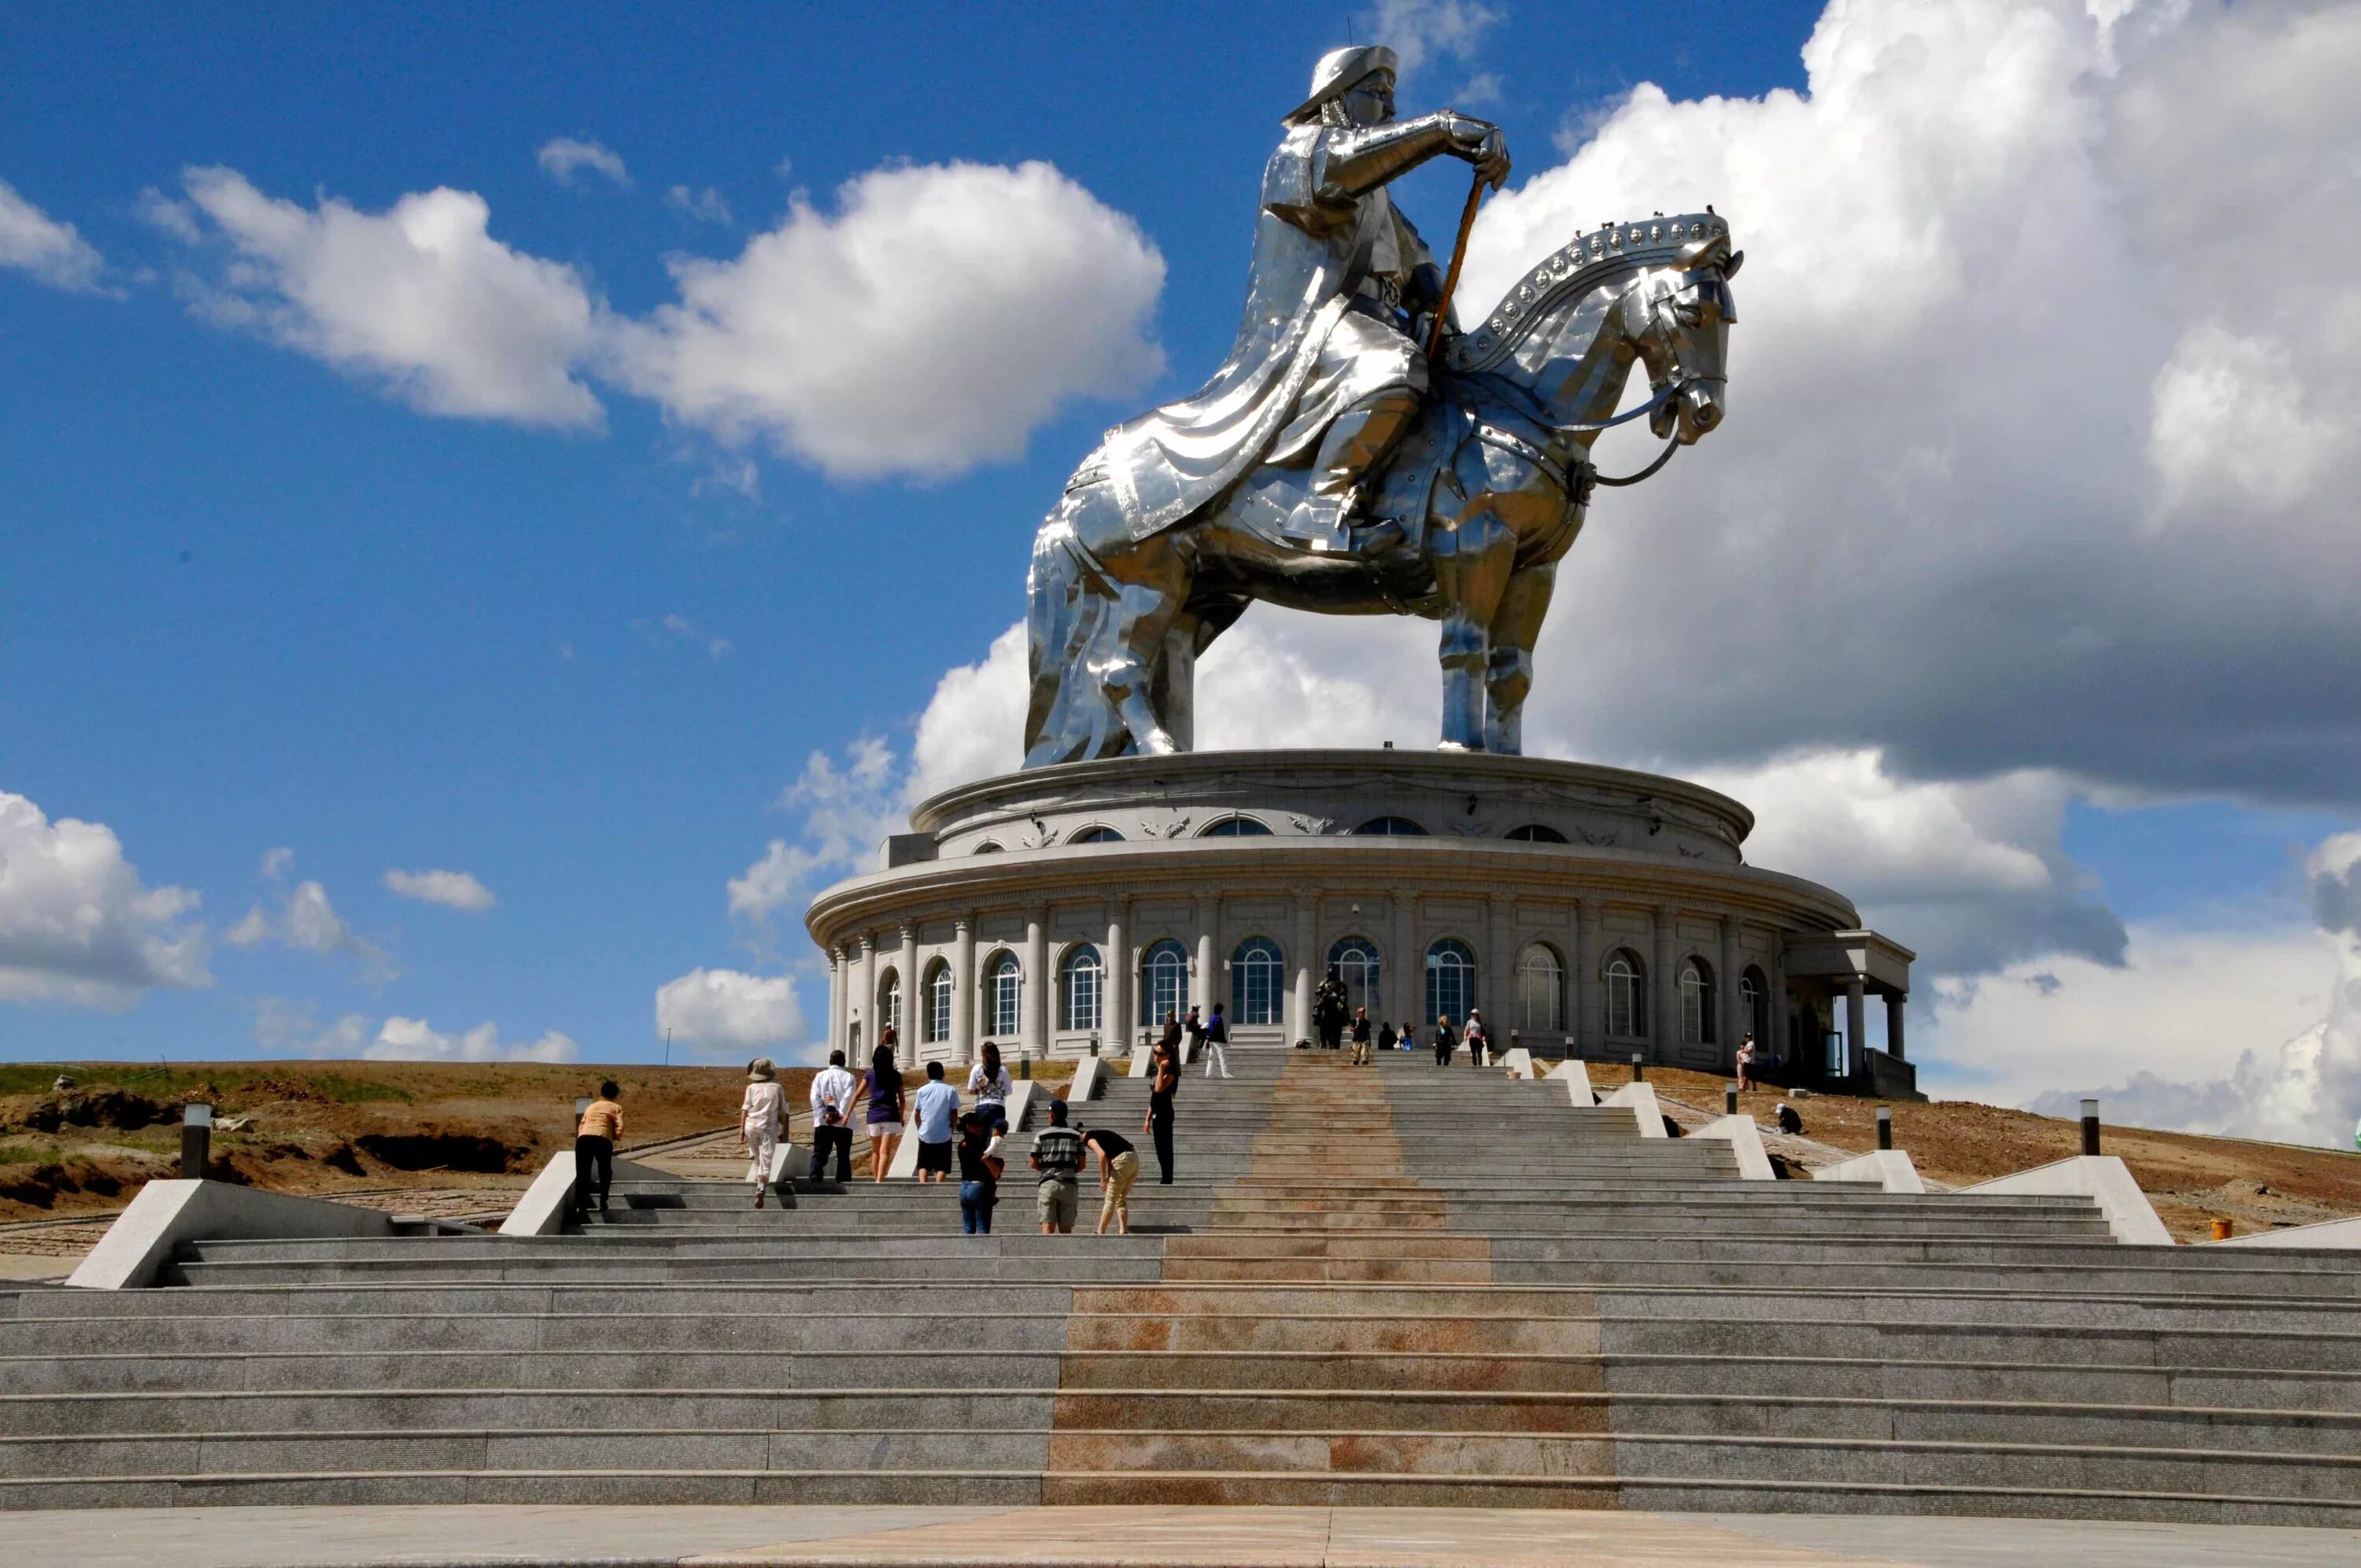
x=2192 y=1180
x=454 y=1140
x=342 y=1127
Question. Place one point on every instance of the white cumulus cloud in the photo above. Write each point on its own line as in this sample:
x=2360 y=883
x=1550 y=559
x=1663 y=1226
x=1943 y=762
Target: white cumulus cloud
x=307 y=922
x=2306 y=1089
x=563 y=158
x=928 y=323
x=420 y=298
x=414 y=1039
x=77 y=926
x=706 y=205
x=452 y=890
x=48 y=250
x=725 y=1011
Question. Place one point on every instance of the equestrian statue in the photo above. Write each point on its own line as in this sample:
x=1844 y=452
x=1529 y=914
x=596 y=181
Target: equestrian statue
x=1359 y=453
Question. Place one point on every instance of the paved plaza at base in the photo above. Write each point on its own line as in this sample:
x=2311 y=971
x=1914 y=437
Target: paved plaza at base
x=432 y=1536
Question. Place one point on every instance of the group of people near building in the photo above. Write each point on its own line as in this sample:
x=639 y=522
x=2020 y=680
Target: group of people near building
x=972 y=1142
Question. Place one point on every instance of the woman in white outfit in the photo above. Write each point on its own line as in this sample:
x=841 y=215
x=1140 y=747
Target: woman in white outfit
x=762 y=1115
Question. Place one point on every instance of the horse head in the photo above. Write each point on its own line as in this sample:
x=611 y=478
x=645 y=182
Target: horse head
x=1685 y=340
x=1655 y=293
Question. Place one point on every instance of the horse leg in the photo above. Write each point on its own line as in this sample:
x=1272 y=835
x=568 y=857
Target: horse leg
x=1097 y=607
x=1471 y=559
x=1125 y=663
x=1509 y=677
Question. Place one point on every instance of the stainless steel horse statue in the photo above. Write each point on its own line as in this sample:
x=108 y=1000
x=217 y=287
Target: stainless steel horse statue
x=1481 y=500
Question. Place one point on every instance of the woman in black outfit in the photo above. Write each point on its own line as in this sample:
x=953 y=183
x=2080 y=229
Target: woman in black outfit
x=1165 y=1077
x=1443 y=1042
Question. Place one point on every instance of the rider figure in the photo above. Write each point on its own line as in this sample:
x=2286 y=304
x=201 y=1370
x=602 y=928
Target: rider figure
x=1328 y=180
x=1326 y=368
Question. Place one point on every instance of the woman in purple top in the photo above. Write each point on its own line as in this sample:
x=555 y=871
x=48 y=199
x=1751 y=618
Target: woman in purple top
x=883 y=1087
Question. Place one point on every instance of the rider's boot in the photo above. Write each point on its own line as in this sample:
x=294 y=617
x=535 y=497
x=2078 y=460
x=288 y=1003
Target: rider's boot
x=1354 y=448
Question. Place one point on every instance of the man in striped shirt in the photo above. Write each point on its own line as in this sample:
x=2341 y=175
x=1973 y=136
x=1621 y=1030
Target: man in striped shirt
x=1057 y=1155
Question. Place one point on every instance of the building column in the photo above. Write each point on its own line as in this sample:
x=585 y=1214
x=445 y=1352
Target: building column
x=864 y=996
x=964 y=1001
x=1201 y=986
x=1588 y=1023
x=1496 y=985
x=907 y=968
x=1115 y=995
x=836 y=987
x=1033 y=997
x=1895 y=1002
x=1408 y=966
x=1298 y=1011
x=1782 y=1048
x=1726 y=995
x=1663 y=992
x=1856 y=1026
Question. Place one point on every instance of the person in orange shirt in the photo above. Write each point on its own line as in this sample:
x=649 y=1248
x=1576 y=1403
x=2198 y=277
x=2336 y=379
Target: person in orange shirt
x=595 y=1139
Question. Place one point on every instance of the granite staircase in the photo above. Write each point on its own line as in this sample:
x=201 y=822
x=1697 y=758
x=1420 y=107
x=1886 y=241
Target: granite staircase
x=1395 y=1284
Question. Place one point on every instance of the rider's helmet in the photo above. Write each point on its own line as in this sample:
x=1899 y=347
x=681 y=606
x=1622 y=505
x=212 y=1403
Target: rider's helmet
x=1337 y=73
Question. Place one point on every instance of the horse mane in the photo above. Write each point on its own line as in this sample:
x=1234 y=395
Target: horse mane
x=1583 y=265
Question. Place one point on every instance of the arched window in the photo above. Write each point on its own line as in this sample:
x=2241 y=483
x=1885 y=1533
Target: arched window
x=1163 y=982
x=1003 y=992
x=1099 y=835
x=1540 y=991
x=987 y=847
x=1537 y=833
x=1258 y=981
x=1627 y=994
x=1355 y=958
x=1390 y=827
x=1449 y=982
x=1696 y=1004
x=889 y=1002
x=1236 y=827
x=939 y=1003
x=1754 y=1006
x=1078 y=989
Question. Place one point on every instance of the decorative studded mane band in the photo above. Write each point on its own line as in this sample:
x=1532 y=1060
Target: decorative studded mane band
x=1585 y=262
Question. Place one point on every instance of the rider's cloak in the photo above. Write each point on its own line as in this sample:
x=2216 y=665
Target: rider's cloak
x=1274 y=396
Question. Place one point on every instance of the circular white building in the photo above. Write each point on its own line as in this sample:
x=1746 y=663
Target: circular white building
x=1587 y=911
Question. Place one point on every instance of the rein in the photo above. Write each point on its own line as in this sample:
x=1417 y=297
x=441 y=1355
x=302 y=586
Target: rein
x=1664 y=394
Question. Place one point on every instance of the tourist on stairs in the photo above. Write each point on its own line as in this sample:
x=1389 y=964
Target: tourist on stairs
x=1057 y=1155
x=1480 y=1039
x=761 y=1113
x=601 y=1128
x=887 y=1103
x=987 y=1082
x=1164 y=1080
x=1118 y=1169
x=936 y=1105
x=980 y=1167
x=1445 y=1042
x=832 y=1095
x=1360 y=1037
x=1217 y=1042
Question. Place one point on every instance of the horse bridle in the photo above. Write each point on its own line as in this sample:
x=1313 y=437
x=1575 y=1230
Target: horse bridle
x=1666 y=391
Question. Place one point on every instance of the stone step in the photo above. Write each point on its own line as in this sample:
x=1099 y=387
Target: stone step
x=286 y=1372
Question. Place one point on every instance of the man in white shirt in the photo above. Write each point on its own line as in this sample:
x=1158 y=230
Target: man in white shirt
x=937 y=1103
x=831 y=1106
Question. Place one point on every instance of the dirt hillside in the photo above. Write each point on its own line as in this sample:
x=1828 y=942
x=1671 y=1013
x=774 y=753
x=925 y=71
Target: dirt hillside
x=322 y=1127
x=2190 y=1178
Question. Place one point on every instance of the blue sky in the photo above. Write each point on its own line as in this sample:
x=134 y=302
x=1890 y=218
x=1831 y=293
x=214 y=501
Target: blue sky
x=262 y=593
